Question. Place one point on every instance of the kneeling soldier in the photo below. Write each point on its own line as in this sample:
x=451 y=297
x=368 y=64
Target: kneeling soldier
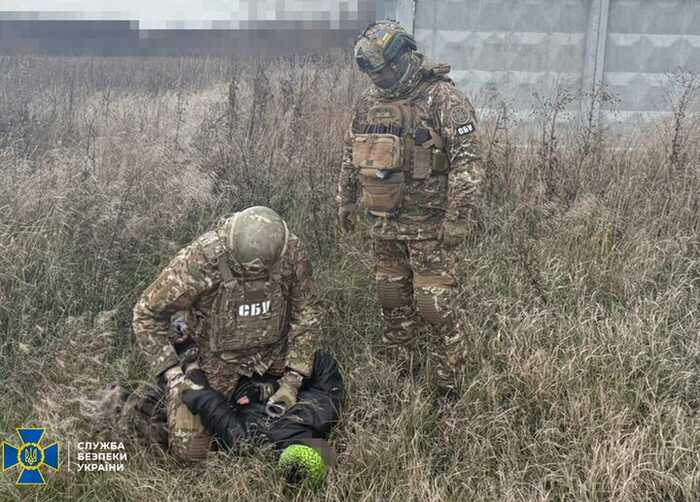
x=237 y=302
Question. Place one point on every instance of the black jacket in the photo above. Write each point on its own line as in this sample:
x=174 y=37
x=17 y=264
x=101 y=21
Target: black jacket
x=319 y=401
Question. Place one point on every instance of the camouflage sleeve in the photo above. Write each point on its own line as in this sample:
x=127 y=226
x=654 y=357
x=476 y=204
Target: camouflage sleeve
x=456 y=120
x=347 y=182
x=177 y=287
x=305 y=314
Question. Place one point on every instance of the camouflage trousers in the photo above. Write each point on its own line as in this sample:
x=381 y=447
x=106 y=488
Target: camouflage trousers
x=151 y=413
x=416 y=280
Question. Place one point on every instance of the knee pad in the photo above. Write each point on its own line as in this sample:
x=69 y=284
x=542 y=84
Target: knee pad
x=394 y=290
x=187 y=437
x=434 y=295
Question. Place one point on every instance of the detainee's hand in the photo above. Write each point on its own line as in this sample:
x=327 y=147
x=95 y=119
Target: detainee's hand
x=453 y=233
x=347 y=214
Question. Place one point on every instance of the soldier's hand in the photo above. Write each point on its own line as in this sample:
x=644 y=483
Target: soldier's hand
x=453 y=234
x=347 y=214
x=178 y=324
x=286 y=395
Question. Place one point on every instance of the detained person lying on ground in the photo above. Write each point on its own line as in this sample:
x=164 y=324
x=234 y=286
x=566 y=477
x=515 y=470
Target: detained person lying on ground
x=243 y=417
x=243 y=420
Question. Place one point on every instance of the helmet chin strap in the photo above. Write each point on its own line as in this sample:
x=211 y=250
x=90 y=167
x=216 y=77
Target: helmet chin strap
x=254 y=266
x=286 y=240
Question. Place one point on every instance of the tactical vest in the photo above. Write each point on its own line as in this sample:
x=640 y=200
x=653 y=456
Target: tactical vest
x=394 y=149
x=247 y=313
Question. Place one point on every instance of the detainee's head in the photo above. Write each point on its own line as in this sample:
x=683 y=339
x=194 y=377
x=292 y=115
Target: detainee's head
x=383 y=52
x=256 y=238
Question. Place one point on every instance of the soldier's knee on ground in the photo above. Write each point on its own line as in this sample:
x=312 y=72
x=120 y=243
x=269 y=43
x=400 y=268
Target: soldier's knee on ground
x=144 y=414
x=105 y=408
x=140 y=414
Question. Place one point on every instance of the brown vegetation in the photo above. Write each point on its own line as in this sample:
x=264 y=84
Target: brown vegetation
x=581 y=291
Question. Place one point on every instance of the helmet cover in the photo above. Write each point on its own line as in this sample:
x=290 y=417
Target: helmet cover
x=256 y=238
x=381 y=43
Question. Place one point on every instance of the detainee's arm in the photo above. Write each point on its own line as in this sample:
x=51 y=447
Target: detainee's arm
x=178 y=286
x=456 y=120
x=305 y=314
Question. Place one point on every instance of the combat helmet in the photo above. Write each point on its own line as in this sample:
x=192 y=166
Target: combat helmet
x=256 y=238
x=382 y=43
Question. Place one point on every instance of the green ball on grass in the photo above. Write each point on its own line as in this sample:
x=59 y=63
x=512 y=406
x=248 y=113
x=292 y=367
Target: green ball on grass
x=301 y=463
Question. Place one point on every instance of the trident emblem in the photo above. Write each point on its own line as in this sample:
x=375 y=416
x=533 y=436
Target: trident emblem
x=30 y=456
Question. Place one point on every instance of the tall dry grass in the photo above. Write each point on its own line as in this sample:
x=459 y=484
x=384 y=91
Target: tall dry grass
x=581 y=291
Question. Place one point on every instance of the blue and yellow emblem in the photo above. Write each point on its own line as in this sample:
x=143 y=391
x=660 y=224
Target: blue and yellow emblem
x=30 y=456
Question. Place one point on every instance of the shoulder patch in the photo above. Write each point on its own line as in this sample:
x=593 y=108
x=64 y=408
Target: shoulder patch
x=460 y=115
x=467 y=128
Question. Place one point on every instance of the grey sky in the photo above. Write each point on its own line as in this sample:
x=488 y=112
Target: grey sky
x=154 y=14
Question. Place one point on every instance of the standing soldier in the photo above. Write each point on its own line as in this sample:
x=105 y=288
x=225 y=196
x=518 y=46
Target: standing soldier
x=413 y=149
x=237 y=302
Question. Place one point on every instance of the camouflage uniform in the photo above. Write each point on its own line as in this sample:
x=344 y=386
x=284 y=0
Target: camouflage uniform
x=412 y=154
x=242 y=323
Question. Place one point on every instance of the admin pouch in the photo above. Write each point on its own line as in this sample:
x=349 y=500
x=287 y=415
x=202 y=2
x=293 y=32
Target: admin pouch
x=393 y=151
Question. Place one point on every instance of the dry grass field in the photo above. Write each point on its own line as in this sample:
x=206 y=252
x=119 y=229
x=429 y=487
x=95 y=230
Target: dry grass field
x=582 y=289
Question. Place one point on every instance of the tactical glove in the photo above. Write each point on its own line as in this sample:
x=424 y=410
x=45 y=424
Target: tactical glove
x=347 y=214
x=453 y=233
x=286 y=395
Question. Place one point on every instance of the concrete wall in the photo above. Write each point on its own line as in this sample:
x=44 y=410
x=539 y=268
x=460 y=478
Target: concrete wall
x=646 y=39
x=526 y=46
